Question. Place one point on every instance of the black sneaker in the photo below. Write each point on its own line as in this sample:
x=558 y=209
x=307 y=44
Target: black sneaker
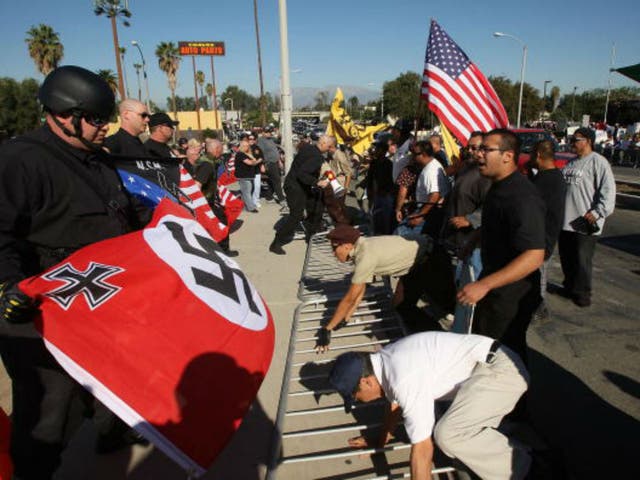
x=109 y=443
x=231 y=253
x=276 y=248
x=582 y=301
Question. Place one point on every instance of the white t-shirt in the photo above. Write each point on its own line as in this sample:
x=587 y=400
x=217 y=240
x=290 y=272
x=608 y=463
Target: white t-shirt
x=432 y=179
x=419 y=369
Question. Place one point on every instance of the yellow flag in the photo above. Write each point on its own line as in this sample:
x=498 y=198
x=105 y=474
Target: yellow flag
x=450 y=145
x=358 y=137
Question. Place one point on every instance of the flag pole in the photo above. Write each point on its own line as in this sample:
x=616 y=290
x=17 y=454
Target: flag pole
x=613 y=59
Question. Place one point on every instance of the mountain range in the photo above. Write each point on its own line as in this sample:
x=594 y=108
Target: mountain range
x=306 y=96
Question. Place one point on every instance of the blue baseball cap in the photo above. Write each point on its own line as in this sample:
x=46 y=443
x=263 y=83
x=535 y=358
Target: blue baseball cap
x=345 y=376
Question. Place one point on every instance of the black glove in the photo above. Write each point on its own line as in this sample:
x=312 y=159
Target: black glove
x=324 y=337
x=15 y=306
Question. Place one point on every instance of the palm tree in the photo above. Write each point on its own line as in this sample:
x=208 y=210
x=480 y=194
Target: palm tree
x=110 y=77
x=113 y=9
x=44 y=48
x=209 y=90
x=169 y=60
x=200 y=80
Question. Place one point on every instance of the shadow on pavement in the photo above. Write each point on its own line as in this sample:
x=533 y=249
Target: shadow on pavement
x=597 y=439
x=627 y=243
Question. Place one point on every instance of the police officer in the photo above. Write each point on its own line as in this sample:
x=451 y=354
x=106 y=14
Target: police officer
x=58 y=194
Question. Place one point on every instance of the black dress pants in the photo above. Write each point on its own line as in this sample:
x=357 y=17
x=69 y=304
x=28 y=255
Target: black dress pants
x=48 y=407
x=576 y=257
x=296 y=200
x=218 y=211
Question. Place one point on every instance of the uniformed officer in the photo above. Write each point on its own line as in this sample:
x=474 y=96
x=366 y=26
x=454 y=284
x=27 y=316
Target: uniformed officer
x=376 y=256
x=58 y=194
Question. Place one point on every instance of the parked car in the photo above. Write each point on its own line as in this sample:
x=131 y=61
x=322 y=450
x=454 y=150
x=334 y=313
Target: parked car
x=528 y=139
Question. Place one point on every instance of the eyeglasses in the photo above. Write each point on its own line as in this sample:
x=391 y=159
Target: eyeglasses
x=475 y=148
x=95 y=121
x=485 y=149
x=578 y=139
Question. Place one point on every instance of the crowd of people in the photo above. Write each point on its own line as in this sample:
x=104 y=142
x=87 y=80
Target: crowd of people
x=431 y=218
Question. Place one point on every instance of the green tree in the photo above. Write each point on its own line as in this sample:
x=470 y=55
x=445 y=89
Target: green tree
x=110 y=77
x=113 y=9
x=241 y=99
x=44 y=48
x=19 y=109
x=200 y=80
x=169 y=61
x=354 y=106
x=322 y=100
x=402 y=97
x=155 y=108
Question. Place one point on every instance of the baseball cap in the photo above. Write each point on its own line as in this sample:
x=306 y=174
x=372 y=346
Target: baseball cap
x=161 y=119
x=343 y=234
x=345 y=376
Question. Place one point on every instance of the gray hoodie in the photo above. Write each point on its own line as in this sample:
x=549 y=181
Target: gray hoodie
x=591 y=187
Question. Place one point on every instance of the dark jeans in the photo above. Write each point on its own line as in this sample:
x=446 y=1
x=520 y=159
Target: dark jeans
x=48 y=407
x=218 y=211
x=576 y=257
x=274 y=180
x=505 y=313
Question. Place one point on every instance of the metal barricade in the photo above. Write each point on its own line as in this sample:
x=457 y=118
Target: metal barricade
x=312 y=428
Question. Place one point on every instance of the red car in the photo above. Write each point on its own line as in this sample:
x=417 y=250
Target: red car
x=528 y=138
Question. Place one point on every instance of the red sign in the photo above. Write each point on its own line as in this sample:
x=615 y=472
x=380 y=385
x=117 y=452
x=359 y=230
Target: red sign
x=201 y=48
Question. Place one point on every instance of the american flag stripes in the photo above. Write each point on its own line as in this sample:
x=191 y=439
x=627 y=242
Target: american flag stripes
x=456 y=90
x=197 y=202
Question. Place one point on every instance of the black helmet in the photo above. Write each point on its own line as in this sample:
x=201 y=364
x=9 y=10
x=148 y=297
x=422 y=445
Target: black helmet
x=77 y=90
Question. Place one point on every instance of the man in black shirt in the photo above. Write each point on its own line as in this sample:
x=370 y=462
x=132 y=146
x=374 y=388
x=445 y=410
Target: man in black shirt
x=162 y=127
x=59 y=193
x=550 y=183
x=298 y=187
x=134 y=118
x=512 y=247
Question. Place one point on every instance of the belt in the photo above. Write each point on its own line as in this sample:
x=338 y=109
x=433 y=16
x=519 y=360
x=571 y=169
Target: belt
x=491 y=355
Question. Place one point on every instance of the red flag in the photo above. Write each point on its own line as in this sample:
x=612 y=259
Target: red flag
x=228 y=176
x=162 y=328
x=232 y=204
x=198 y=203
x=457 y=91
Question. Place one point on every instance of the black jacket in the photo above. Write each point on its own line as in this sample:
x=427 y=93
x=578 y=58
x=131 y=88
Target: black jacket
x=305 y=168
x=48 y=208
x=123 y=143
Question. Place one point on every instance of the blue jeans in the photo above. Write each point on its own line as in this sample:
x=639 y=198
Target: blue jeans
x=407 y=231
x=475 y=260
x=257 y=183
x=246 y=191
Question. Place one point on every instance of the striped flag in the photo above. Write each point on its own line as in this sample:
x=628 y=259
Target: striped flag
x=231 y=203
x=227 y=172
x=457 y=91
x=196 y=201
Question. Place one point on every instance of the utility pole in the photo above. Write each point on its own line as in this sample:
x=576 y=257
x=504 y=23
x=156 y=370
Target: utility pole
x=287 y=134
x=263 y=106
x=195 y=86
x=215 y=98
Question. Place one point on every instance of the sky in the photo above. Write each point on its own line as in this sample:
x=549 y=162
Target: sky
x=359 y=43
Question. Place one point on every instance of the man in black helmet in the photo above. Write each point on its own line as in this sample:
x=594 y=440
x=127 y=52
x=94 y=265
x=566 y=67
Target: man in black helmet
x=58 y=194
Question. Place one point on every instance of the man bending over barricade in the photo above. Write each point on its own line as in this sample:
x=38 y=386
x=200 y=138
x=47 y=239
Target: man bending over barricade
x=484 y=379
x=376 y=256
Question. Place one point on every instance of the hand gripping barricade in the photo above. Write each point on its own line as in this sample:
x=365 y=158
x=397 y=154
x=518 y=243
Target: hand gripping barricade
x=312 y=429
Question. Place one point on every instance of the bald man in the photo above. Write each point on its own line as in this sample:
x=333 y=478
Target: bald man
x=134 y=118
x=298 y=187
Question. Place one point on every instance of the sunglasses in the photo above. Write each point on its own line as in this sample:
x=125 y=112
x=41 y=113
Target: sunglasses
x=578 y=139
x=475 y=148
x=96 y=121
x=143 y=114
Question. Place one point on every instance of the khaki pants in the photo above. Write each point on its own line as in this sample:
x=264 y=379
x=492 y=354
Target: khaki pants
x=467 y=431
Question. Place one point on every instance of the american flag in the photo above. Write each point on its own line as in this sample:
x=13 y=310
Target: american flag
x=146 y=191
x=227 y=172
x=231 y=203
x=196 y=201
x=456 y=90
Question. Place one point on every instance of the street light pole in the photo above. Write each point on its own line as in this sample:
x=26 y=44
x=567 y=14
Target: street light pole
x=144 y=73
x=544 y=95
x=524 y=63
x=287 y=133
x=573 y=105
